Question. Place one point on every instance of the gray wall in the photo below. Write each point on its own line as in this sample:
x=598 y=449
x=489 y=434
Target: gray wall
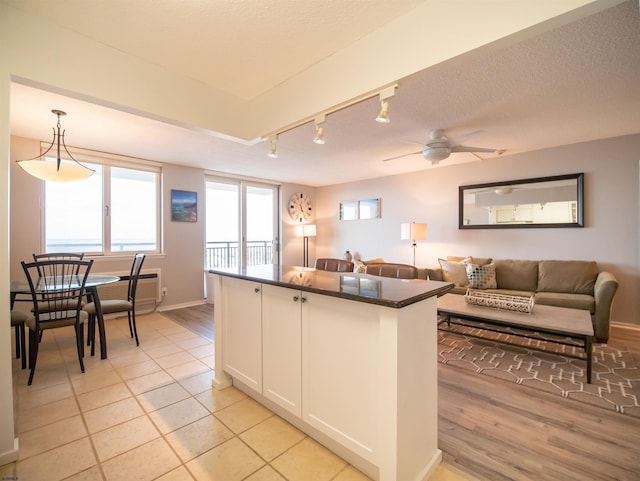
x=610 y=235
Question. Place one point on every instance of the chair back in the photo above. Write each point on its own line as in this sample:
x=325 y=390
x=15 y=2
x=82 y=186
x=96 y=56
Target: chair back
x=136 y=266
x=335 y=265
x=57 y=288
x=58 y=256
x=399 y=271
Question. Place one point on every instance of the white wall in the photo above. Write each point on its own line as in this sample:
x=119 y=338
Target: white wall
x=610 y=235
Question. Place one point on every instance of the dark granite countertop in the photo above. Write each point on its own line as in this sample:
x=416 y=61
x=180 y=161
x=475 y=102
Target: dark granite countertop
x=382 y=291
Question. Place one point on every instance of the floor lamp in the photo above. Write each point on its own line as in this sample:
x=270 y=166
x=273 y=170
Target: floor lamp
x=413 y=232
x=305 y=231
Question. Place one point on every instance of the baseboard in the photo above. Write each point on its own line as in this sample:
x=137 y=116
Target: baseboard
x=622 y=325
x=180 y=306
x=10 y=456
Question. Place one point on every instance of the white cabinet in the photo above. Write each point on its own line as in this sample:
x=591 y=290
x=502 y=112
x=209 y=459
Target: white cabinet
x=360 y=378
x=242 y=330
x=281 y=343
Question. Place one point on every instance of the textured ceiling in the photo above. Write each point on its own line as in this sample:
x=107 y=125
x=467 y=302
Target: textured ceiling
x=575 y=83
x=245 y=46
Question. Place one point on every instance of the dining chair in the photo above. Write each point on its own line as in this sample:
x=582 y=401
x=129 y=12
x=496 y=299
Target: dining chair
x=110 y=306
x=63 y=284
x=53 y=256
x=335 y=265
x=18 y=319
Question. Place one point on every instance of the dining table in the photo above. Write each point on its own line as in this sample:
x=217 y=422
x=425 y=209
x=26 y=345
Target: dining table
x=21 y=287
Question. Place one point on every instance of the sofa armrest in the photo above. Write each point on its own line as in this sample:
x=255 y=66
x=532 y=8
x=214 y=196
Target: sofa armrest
x=604 y=290
x=435 y=274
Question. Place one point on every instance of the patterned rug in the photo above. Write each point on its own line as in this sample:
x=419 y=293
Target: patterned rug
x=615 y=375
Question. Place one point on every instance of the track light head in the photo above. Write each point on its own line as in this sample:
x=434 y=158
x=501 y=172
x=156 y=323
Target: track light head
x=319 y=138
x=272 y=147
x=383 y=116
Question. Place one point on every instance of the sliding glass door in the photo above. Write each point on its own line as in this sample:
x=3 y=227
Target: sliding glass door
x=241 y=223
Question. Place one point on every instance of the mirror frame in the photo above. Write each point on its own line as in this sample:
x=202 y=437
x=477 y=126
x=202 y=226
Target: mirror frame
x=579 y=183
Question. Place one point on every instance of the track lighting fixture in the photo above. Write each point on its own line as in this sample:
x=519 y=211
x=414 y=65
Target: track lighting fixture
x=320 y=119
x=319 y=138
x=272 y=147
x=385 y=95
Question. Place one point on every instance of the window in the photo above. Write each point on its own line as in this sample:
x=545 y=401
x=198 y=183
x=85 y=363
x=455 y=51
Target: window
x=115 y=210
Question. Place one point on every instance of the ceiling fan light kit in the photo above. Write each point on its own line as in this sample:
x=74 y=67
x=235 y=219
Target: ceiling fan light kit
x=439 y=147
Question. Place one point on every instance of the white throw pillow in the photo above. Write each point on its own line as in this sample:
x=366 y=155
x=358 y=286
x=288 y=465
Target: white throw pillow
x=454 y=271
x=481 y=277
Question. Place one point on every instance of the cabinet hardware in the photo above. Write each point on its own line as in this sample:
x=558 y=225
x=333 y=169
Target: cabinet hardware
x=256 y=290
x=295 y=298
x=304 y=299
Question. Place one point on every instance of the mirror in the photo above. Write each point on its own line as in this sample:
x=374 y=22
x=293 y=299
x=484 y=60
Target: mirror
x=360 y=209
x=541 y=202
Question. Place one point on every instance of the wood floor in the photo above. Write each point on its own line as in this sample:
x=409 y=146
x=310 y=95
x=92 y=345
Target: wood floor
x=496 y=430
x=199 y=319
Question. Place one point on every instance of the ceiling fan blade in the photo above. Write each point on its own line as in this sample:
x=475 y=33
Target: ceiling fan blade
x=400 y=156
x=467 y=136
x=463 y=148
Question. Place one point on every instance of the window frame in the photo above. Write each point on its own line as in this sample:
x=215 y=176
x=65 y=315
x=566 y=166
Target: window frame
x=107 y=161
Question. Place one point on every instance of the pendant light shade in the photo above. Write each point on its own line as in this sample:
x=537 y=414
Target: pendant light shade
x=56 y=169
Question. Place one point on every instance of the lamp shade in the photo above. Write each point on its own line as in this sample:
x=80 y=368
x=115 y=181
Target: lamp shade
x=48 y=170
x=413 y=231
x=306 y=230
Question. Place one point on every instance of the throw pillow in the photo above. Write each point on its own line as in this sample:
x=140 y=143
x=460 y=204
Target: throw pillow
x=453 y=271
x=481 y=277
x=361 y=266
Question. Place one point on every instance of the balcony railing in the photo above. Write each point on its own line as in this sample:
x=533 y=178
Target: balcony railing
x=223 y=254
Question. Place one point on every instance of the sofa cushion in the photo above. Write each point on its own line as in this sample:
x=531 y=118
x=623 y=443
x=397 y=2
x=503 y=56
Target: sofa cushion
x=481 y=261
x=512 y=292
x=572 y=301
x=572 y=277
x=481 y=277
x=454 y=271
x=517 y=275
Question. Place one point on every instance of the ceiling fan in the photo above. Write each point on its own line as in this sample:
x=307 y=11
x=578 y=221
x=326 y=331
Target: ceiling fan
x=439 y=147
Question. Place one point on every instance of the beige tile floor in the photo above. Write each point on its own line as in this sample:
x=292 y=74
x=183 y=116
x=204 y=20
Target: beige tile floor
x=149 y=413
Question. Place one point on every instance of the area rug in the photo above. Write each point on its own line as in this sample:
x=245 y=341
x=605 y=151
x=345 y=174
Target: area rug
x=615 y=375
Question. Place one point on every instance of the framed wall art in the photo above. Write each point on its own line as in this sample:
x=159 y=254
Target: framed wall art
x=184 y=206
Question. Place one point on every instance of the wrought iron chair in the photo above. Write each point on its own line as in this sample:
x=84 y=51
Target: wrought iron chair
x=111 y=306
x=57 y=289
x=17 y=321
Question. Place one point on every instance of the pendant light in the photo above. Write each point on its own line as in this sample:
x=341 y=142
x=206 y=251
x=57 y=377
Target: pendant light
x=58 y=169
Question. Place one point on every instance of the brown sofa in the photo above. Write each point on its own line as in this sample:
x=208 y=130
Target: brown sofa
x=573 y=284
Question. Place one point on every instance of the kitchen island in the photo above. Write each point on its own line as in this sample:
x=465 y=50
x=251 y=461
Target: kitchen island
x=350 y=359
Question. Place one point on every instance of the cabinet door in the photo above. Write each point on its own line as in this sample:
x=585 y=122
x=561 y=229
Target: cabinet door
x=281 y=338
x=341 y=341
x=242 y=331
